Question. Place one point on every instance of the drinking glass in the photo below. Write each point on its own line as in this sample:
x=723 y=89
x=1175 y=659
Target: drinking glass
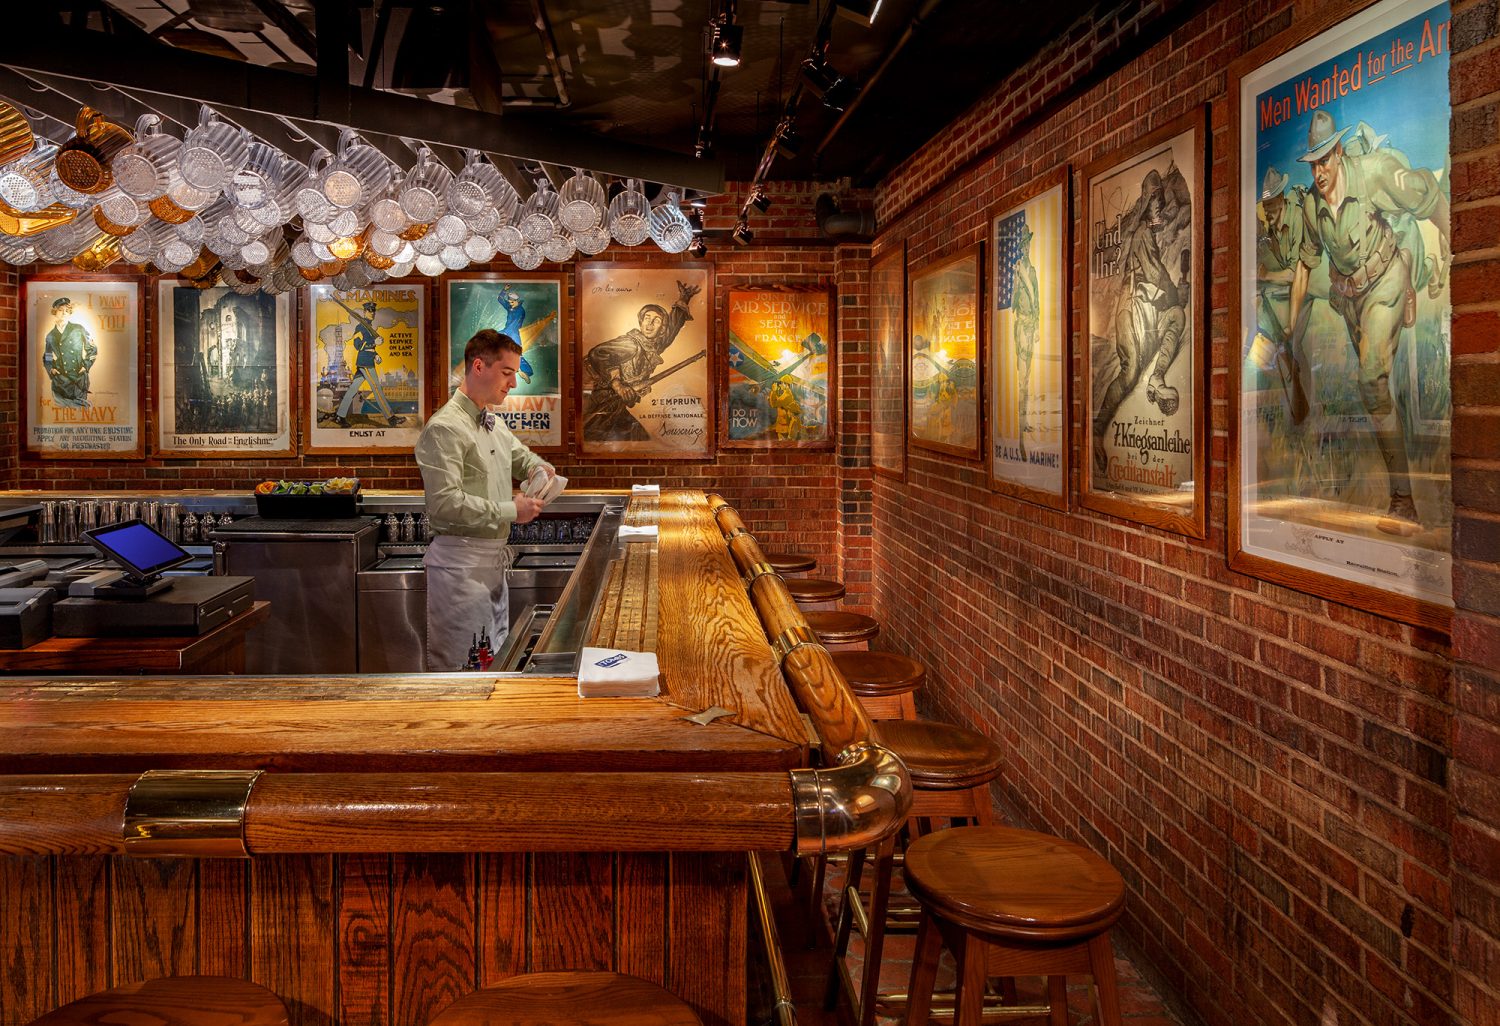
x=479 y=249
x=190 y=197
x=559 y=248
x=83 y=162
x=24 y=183
x=508 y=239
x=386 y=212
x=454 y=258
x=145 y=169
x=260 y=179
x=309 y=199
x=450 y=229
x=538 y=221
x=424 y=195
x=120 y=209
x=484 y=222
x=109 y=227
x=97 y=253
x=670 y=228
x=629 y=216
x=592 y=242
x=477 y=186
x=66 y=195
x=212 y=152
x=166 y=210
x=360 y=174
x=430 y=265
x=527 y=258
x=581 y=204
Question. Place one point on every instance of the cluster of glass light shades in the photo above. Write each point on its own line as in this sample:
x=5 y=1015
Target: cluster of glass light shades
x=222 y=203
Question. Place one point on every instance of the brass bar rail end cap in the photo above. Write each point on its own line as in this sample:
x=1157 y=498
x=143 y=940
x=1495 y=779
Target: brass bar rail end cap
x=188 y=814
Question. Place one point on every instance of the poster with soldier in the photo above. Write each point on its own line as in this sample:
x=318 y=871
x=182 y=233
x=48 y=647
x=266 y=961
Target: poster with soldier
x=1341 y=472
x=82 y=364
x=1144 y=270
x=644 y=376
x=1028 y=343
x=532 y=309
x=223 y=373
x=779 y=356
x=367 y=385
x=944 y=356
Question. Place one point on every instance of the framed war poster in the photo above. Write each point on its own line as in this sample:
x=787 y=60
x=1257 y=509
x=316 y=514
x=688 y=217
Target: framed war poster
x=1340 y=479
x=223 y=372
x=82 y=367
x=888 y=361
x=1028 y=343
x=1143 y=364
x=366 y=383
x=779 y=387
x=944 y=356
x=531 y=308
x=643 y=369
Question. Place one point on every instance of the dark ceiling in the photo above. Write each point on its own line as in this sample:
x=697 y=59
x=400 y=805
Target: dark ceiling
x=605 y=79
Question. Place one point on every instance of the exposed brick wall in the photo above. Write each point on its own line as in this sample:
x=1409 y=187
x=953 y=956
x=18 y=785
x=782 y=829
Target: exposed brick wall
x=1304 y=824
x=786 y=497
x=1475 y=80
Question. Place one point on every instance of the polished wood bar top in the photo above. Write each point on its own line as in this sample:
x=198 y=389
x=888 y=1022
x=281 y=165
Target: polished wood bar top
x=710 y=644
x=163 y=654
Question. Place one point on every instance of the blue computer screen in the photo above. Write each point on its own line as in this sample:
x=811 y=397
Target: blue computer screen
x=138 y=548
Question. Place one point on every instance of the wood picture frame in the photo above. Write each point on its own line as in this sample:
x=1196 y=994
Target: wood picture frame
x=535 y=306
x=945 y=354
x=1339 y=468
x=888 y=365
x=1028 y=342
x=663 y=407
x=779 y=376
x=223 y=383
x=1144 y=338
x=341 y=355
x=83 y=386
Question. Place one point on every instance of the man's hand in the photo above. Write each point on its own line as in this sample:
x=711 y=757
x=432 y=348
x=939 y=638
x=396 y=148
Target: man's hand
x=686 y=292
x=628 y=395
x=527 y=509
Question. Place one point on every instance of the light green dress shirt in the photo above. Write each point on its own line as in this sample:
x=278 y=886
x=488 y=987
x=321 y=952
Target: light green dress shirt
x=467 y=471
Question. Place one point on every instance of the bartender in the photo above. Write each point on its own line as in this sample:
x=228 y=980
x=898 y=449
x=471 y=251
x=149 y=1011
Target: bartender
x=469 y=459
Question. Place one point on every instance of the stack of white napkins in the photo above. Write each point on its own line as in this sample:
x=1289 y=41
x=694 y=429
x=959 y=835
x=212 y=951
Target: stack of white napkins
x=615 y=673
x=627 y=532
x=539 y=486
x=654 y=489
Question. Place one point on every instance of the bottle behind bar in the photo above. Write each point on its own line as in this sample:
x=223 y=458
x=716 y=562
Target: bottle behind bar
x=473 y=663
x=424 y=528
x=485 y=655
x=392 y=528
x=189 y=529
x=408 y=528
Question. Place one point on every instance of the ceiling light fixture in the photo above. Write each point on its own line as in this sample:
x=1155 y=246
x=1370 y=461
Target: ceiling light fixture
x=727 y=41
x=788 y=141
x=742 y=235
x=760 y=200
x=836 y=90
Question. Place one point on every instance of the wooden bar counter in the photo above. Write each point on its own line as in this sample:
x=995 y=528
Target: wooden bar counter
x=567 y=856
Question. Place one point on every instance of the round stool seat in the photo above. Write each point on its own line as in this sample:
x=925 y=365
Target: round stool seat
x=578 y=998
x=815 y=589
x=940 y=756
x=880 y=674
x=836 y=627
x=1014 y=884
x=174 y=1001
x=789 y=563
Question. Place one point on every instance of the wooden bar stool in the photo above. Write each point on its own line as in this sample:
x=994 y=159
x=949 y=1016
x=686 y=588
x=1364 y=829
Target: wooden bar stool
x=788 y=563
x=951 y=769
x=578 y=998
x=814 y=592
x=886 y=683
x=174 y=1001
x=1012 y=903
x=843 y=631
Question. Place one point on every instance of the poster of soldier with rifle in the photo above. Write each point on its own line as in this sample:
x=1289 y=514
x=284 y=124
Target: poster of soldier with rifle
x=778 y=391
x=368 y=386
x=644 y=376
x=1340 y=470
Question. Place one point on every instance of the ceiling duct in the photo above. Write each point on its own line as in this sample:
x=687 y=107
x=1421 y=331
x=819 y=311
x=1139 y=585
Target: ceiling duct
x=844 y=218
x=427 y=57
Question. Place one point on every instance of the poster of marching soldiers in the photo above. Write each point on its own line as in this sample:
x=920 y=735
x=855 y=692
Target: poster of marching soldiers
x=530 y=308
x=1343 y=248
x=82 y=359
x=223 y=373
x=1144 y=274
x=644 y=377
x=1028 y=356
x=943 y=359
x=366 y=378
x=779 y=360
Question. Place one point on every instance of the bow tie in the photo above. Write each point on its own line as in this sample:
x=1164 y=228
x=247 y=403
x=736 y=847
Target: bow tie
x=487 y=420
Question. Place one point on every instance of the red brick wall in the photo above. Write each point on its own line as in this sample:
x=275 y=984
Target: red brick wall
x=1304 y=823
x=1475 y=83
x=786 y=497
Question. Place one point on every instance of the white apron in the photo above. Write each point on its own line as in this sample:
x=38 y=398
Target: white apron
x=466 y=591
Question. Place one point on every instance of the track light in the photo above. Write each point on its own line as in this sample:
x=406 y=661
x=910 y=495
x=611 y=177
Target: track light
x=863 y=11
x=836 y=90
x=698 y=248
x=742 y=236
x=727 y=40
x=760 y=200
x=697 y=200
x=788 y=142
x=695 y=220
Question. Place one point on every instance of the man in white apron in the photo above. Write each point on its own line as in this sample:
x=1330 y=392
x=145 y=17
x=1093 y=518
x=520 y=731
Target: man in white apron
x=468 y=459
